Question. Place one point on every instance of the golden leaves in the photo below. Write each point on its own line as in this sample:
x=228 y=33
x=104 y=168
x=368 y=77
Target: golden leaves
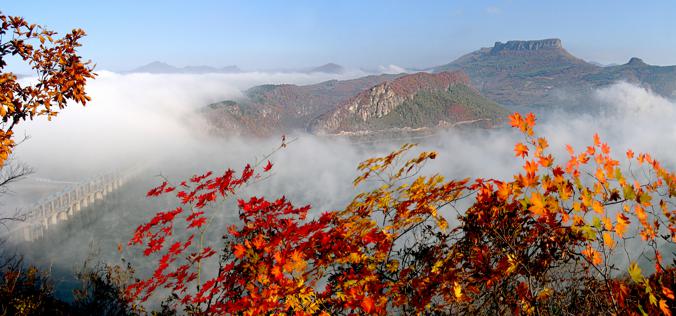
x=538 y=205
x=593 y=255
x=622 y=224
x=608 y=240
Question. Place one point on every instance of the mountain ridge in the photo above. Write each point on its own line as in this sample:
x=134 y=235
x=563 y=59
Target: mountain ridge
x=538 y=72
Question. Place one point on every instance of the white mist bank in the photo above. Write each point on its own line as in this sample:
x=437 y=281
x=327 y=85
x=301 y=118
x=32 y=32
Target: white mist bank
x=152 y=118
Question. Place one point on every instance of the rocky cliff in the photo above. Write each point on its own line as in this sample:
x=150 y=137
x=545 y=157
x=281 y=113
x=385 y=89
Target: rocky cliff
x=552 y=43
x=420 y=100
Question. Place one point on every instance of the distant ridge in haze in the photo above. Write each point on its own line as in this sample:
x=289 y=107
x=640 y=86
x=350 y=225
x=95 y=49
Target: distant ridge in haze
x=158 y=67
x=329 y=68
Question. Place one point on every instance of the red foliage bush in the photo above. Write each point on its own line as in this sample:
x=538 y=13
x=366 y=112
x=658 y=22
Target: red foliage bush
x=546 y=242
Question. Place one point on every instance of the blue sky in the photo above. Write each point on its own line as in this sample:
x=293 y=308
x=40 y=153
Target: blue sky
x=362 y=33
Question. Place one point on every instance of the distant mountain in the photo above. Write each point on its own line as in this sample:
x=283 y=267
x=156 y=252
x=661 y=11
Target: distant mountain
x=157 y=67
x=364 y=105
x=415 y=101
x=329 y=68
x=541 y=72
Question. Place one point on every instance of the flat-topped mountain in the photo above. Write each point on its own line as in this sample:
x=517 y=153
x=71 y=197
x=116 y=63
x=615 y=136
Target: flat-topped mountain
x=367 y=104
x=539 y=72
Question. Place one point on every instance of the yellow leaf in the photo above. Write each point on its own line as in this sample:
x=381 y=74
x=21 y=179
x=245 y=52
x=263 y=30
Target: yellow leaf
x=457 y=290
x=635 y=272
x=565 y=192
x=512 y=264
x=545 y=293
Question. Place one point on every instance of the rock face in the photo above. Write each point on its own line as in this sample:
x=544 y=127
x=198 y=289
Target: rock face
x=383 y=98
x=419 y=95
x=552 y=43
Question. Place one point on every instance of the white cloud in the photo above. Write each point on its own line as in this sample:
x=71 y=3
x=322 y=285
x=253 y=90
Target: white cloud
x=391 y=69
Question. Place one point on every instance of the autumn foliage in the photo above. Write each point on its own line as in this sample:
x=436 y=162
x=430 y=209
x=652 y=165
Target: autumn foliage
x=556 y=239
x=61 y=75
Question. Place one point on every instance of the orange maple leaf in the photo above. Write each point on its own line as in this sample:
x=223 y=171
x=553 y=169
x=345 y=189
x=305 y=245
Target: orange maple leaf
x=239 y=251
x=367 y=304
x=537 y=204
x=521 y=150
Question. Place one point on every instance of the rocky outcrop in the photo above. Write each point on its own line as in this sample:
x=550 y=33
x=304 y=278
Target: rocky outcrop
x=551 y=43
x=380 y=100
x=383 y=98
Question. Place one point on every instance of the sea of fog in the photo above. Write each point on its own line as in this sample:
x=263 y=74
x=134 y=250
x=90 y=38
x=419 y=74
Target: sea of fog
x=151 y=120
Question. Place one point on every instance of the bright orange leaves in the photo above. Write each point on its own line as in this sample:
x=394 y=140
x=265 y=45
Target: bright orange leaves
x=525 y=125
x=521 y=150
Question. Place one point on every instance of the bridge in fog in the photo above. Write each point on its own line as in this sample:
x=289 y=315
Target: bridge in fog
x=64 y=205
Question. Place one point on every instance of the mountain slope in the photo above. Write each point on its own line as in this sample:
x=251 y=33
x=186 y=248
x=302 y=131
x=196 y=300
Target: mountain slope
x=415 y=101
x=270 y=109
x=364 y=105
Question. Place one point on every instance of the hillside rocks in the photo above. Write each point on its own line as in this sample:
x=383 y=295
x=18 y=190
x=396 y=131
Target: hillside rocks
x=380 y=100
